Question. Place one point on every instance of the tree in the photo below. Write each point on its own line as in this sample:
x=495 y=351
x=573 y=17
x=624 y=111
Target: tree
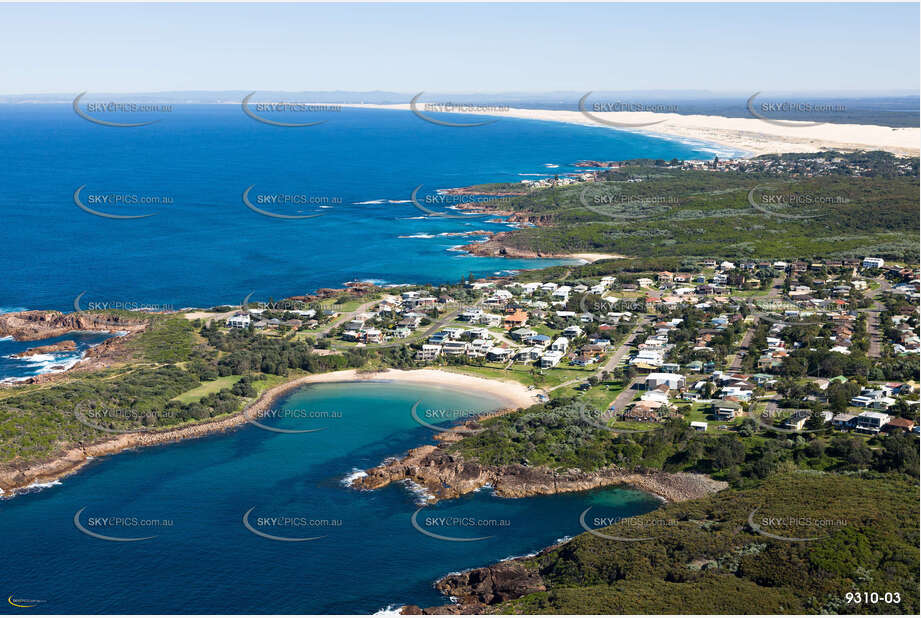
x=816 y=421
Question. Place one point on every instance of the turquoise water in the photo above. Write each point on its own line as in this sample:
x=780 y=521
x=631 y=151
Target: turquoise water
x=206 y=561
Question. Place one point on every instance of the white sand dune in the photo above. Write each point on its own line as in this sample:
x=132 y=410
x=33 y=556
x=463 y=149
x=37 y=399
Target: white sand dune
x=748 y=134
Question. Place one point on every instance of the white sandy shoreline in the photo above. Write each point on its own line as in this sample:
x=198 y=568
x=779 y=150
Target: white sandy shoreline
x=509 y=393
x=14 y=479
x=751 y=135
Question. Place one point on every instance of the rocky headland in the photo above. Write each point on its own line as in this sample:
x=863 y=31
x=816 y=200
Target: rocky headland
x=61 y=346
x=37 y=325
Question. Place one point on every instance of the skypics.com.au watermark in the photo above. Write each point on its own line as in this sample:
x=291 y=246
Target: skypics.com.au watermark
x=95 y=112
x=792 y=204
x=119 y=305
x=123 y=524
x=288 y=528
x=617 y=106
x=256 y=417
x=638 y=527
x=616 y=205
x=420 y=109
x=428 y=417
x=790 y=527
x=804 y=112
x=606 y=309
x=112 y=419
x=457 y=201
x=261 y=112
x=120 y=202
x=447 y=527
x=288 y=205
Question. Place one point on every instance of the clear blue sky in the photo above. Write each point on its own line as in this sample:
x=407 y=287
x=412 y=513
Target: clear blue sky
x=458 y=48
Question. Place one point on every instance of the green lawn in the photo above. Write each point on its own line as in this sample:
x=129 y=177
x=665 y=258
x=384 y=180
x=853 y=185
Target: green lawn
x=521 y=373
x=207 y=388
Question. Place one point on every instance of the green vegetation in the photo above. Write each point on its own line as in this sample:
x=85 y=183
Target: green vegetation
x=710 y=560
x=646 y=210
x=567 y=434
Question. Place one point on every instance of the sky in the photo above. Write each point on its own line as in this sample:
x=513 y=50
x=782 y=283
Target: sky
x=459 y=48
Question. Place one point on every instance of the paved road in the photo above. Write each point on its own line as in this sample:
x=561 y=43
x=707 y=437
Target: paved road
x=777 y=287
x=615 y=359
x=734 y=365
x=873 y=324
x=343 y=318
x=624 y=398
x=424 y=335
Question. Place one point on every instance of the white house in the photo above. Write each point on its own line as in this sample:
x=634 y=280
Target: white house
x=560 y=345
x=572 y=331
x=872 y=422
x=673 y=381
x=428 y=352
x=873 y=262
x=550 y=359
x=240 y=320
x=498 y=354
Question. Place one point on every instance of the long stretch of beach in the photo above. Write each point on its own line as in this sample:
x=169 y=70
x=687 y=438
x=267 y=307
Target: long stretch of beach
x=752 y=135
x=508 y=394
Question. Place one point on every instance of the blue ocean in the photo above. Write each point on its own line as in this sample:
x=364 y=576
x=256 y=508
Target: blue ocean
x=204 y=247
x=191 y=497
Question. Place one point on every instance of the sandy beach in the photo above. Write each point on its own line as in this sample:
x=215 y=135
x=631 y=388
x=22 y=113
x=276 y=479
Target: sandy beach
x=595 y=257
x=751 y=135
x=15 y=477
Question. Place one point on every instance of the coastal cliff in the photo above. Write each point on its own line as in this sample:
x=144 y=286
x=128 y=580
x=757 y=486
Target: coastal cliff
x=475 y=590
x=35 y=325
x=446 y=475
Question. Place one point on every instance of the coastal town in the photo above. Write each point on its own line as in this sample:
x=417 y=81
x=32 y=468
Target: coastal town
x=715 y=345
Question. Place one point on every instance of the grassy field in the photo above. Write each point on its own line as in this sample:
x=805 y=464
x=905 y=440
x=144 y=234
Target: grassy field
x=206 y=388
x=524 y=374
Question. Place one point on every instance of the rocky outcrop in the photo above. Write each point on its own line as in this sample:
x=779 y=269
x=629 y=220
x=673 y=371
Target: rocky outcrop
x=493 y=584
x=475 y=590
x=447 y=475
x=35 y=325
x=480 y=190
x=62 y=346
x=494 y=247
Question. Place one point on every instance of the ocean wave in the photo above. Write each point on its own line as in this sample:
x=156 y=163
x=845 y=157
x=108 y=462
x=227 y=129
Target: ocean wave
x=39 y=364
x=11 y=309
x=353 y=476
x=391 y=610
x=418 y=236
x=373 y=281
x=7 y=338
x=379 y=202
x=34 y=487
x=421 y=494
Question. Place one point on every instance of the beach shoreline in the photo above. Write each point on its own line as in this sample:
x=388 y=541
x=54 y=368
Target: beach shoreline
x=751 y=136
x=15 y=479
